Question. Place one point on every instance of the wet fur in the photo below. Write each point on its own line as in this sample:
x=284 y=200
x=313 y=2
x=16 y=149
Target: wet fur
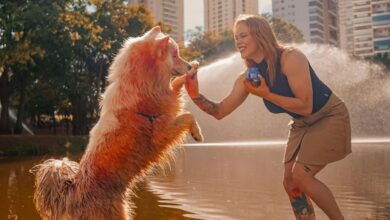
x=124 y=144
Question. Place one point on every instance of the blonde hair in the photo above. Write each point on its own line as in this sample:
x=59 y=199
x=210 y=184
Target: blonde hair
x=265 y=39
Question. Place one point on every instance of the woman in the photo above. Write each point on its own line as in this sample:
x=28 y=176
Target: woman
x=320 y=128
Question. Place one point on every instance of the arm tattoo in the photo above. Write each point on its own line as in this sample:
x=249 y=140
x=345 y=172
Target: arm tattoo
x=206 y=105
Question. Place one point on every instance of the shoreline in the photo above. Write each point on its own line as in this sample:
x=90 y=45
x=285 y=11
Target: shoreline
x=23 y=145
x=27 y=145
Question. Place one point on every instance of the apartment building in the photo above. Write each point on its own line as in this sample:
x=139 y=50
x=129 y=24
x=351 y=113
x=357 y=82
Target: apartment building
x=170 y=12
x=219 y=15
x=381 y=26
x=317 y=19
x=345 y=25
x=367 y=25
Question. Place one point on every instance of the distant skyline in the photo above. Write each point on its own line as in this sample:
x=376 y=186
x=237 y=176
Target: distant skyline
x=193 y=12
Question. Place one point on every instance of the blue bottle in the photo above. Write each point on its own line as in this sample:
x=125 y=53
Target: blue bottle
x=253 y=75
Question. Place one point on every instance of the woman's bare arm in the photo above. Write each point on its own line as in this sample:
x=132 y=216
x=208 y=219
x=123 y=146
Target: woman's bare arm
x=219 y=110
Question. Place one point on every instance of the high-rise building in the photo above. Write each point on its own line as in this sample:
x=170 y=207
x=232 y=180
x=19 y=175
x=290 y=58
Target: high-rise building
x=366 y=27
x=362 y=28
x=219 y=15
x=317 y=19
x=170 y=12
x=381 y=26
x=345 y=25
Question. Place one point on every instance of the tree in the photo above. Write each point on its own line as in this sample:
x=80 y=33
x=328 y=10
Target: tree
x=382 y=58
x=207 y=47
x=286 y=32
x=96 y=37
x=55 y=55
x=18 y=50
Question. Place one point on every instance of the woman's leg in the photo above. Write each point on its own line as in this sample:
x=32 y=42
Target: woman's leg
x=303 y=176
x=300 y=202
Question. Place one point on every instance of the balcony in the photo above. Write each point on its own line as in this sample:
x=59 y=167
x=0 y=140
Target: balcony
x=382 y=32
x=381 y=8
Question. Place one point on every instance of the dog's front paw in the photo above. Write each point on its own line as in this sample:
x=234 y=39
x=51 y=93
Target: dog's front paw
x=196 y=132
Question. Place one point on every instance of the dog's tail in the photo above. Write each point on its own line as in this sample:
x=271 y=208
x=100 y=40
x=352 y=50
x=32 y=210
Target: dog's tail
x=54 y=181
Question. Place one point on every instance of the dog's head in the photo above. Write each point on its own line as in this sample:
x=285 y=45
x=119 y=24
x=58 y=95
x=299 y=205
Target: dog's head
x=153 y=56
x=166 y=51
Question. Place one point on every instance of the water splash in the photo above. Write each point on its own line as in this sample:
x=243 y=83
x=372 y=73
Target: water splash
x=364 y=86
x=13 y=118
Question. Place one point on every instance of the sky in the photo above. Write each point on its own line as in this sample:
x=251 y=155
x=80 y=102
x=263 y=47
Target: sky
x=193 y=12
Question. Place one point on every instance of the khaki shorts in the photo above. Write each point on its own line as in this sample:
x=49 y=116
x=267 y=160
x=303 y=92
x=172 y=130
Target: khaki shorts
x=322 y=137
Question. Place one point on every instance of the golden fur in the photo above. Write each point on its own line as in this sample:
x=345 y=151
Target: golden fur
x=141 y=118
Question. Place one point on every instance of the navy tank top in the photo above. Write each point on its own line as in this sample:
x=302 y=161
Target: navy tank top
x=321 y=92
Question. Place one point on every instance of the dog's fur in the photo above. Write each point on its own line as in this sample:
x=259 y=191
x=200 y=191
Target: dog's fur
x=141 y=118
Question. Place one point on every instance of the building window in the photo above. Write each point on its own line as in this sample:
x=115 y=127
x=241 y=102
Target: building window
x=316 y=18
x=381 y=19
x=315 y=3
x=362 y=27
x=316 y=25
x=316 y=41
x=316 y=33
x=382 y=32
x=382 y=45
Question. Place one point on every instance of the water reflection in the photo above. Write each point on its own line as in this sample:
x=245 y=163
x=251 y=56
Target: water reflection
x=246 y=183
x=242 y=182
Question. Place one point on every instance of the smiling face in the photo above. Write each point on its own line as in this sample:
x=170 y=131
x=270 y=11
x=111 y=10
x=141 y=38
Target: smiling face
x=245 y=42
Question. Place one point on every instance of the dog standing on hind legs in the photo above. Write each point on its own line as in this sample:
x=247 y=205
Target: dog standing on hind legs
x=141 y=118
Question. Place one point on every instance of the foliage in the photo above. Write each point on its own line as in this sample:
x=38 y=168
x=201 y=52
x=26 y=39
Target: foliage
x=55 y=55
x=206 y=47
x=286 y=32
x=383 y=59
x=58 y=54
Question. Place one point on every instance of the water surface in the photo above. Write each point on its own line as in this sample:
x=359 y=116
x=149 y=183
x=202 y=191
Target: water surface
x=228 y=182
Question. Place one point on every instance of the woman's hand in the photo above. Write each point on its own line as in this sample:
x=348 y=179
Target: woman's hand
x=191 y=84
x=261 y=91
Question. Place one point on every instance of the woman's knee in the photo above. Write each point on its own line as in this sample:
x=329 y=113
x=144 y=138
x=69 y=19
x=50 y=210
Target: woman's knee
x=287 y=178
x=300 y=176
x=288 y=183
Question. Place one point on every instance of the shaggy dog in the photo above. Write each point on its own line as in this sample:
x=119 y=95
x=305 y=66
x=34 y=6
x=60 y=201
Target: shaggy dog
x=141 y=118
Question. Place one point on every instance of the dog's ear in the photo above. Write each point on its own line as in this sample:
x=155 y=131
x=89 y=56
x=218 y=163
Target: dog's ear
x=161 y=44
x=156 y=29
x=152 y=33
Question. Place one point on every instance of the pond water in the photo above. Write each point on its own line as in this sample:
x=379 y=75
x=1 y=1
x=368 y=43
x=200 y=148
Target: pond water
x=228 y=181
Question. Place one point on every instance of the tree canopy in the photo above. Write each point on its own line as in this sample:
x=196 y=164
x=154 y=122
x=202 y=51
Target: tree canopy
x=55 y=55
